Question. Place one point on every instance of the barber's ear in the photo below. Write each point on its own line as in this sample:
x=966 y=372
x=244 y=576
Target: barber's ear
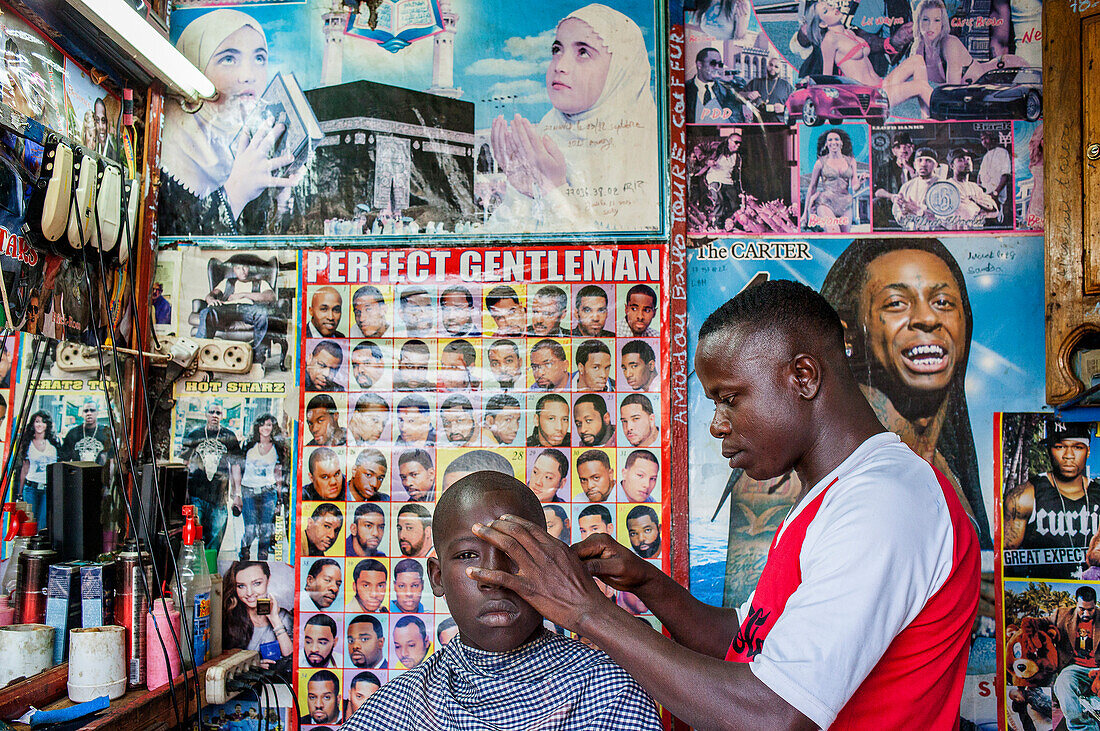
x=806 y=375
x=435 y=576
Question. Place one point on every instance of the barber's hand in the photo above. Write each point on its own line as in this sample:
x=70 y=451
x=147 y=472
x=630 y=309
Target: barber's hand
x=548 y=575
x=613 y=563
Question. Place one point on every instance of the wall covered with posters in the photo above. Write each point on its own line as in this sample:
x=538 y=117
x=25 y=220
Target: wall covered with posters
x=852 y=144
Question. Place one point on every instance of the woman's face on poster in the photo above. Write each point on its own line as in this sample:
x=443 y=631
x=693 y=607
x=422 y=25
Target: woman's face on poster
x=914 y=322
x=833 y=143
x=931 y=23
x=238 y=68
x=251 y=585
x=39 y=425
x=266 y=427
x=579 y=61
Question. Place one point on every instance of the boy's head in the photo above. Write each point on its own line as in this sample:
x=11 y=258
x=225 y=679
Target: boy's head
x=488 y=618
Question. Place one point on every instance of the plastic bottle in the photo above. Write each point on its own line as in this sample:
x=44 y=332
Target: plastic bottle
x=162 y=630
x=27 y=530
x=194 y=576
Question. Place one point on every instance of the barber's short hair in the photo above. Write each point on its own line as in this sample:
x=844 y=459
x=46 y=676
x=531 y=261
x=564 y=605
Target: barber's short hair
x=595 y=399
x=414 y=620
x=322 y=454
x=408 y=566
x=505 y=342
x=329 y=347
x=371 y=456
x=498 y=294
x=415 y=345
x=594 y=455
x=379 y=628
x=322 y=620
x=598 y=510
x=322 y=401
x=1086 y=594
x=419 y=456
x=419 y=511
x=587 y=348
x=463 y=348
x=368 y=564
x=551 y=291
x=641 y=349
x=642 y=511
x=319 y=566
x=550 y=398
x=367 y=290
x=326 y=509
x=325 y=676
x=403 y=298
x=637 y=399
x=590 y=290
x=704 y=51
x=414 y=401
x=500 y=402
x=458 y=289
x=367 y=509
x=371 y=402
x=561 y=460
x=369 y=345
x=789 y=307
x=445 y=625
x=643 y=289
x=553 y=346
x=457 y=401
x=366 y=677
x=637 y=454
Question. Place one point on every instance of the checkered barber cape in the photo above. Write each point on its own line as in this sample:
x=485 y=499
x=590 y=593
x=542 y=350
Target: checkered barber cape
x=552 y=683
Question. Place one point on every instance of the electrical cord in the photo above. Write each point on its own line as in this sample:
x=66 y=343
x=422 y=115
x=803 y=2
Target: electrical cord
x=129 y=456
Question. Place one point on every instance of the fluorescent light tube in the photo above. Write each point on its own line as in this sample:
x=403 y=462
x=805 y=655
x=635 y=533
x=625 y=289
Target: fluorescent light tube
x=133 y=34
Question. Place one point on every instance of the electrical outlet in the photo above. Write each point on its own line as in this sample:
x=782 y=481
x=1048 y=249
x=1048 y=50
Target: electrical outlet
x=75 y=358
x=219 y=675
x=224 y=356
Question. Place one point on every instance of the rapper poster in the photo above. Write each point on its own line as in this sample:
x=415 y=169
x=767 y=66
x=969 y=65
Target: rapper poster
x=1048 y=499
x=420 y=366
x=935 y=373
x=385 y=119
x=923 y=116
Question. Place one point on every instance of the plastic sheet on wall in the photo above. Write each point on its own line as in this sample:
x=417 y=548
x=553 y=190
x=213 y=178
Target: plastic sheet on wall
x=470 y=122
x=420 y=366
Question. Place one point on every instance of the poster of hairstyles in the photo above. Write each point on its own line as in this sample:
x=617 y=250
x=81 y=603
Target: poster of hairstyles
x=419 y=367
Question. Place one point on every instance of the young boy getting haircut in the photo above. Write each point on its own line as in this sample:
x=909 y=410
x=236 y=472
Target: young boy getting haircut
x=504 y=670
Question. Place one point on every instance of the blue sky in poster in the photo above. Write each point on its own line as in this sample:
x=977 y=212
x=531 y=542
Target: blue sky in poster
x=1005 y=373
x=502 y=50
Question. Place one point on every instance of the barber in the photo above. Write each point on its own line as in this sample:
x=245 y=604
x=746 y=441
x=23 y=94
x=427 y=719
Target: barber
x=861 y=618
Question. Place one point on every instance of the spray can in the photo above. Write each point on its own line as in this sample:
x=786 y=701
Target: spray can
x=135 y=566
x=32 y=578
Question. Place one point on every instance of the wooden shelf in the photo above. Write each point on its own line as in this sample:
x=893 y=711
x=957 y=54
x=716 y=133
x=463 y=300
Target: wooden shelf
x=137 y=710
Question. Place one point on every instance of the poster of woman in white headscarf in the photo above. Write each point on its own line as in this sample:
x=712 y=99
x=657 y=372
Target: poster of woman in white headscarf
x=486 y=120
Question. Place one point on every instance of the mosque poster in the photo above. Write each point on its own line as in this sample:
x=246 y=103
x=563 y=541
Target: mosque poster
x=419 y=366
x=984 y=354
x=474 y=120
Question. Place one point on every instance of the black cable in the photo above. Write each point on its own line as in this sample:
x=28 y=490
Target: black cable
x=129 y=452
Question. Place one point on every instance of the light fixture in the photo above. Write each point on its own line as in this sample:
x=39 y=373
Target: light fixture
x=152 y=51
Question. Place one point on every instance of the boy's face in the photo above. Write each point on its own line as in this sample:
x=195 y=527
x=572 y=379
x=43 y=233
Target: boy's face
x=488 y=617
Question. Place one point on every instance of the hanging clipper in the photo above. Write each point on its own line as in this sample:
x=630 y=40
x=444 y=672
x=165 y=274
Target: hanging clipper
x=131 y=197
x=85 y=172
x=48 y=208
x=106 y=225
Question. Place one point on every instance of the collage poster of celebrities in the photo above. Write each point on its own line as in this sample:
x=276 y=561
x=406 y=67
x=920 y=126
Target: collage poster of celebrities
x=419 y=367
x=939 y=339
x=849 y=116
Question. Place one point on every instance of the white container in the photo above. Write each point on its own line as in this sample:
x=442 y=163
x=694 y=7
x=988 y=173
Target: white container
x=25 y=650
x=97 y=663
